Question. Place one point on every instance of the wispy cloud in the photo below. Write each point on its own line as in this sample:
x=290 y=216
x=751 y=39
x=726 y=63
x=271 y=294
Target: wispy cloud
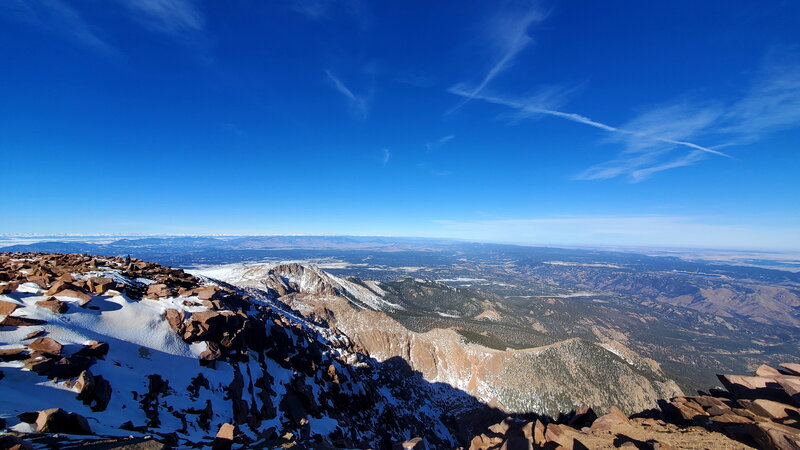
x=58 y=17
x=666 y=136
x=439 y=142
x=531 y=109
x=386 y=156
x=772 y=102
x=174 y=17
x=359 y=104
x=509 y=34
x=658 y=141
x=166 y=16
x=660 y=138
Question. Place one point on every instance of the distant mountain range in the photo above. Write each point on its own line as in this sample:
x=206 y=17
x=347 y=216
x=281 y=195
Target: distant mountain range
x=237 y=243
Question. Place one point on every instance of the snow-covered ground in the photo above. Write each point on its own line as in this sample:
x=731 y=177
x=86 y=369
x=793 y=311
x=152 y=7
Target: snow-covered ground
x=140 y=343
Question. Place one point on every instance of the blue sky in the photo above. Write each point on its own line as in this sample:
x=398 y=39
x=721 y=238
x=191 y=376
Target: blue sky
x=617 y=122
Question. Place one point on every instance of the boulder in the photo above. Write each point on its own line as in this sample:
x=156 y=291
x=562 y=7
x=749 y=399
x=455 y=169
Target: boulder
x=729 y=418
x=99 y=285
x=483 y=441
x=47 y=346
x=69 y=367
x=93 y=391
x=766 y=371
x=206 y=292
x=158 y=290
x=57 y=420
x=213 y=305
x=83 y=298
x=416 y=443
x=718 y=410
x=93 y=349
x=584 y=416
x=791 y=389
x=13 y=354
x=33 y=334
x=59 y=286
x=333 y=376
x=11 y=321
x=6 y=308
x=770 y=409
x=501 y=428
x=208 y=326
x=9 y=287
x=753 y=387
x=613 y=417
x=707 y=401
x=83 y=384
x=792 y=369
x=563 y=436
x=209 y=356
x=54 y=305
x=66 y=278
x=39 y=280
x=224 y=438
x=681 y=410
x=538 y=433
x=769 y=435
x=175 y=320
x=527 y=430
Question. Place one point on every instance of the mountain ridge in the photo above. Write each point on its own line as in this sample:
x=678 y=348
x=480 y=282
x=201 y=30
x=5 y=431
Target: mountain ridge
x=442 y=355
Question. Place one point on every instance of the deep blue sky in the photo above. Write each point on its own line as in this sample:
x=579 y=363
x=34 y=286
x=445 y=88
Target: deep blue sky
x=616 y=122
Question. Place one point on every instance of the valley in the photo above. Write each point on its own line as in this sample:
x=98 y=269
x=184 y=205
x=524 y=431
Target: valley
x=692 y=317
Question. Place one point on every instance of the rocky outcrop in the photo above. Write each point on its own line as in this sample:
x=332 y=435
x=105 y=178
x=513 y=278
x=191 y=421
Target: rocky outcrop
x=180 y=356
x=46 y=346
x=224 y=438
x=53 y=305
x=741 y=417
x=295 y=278
x=56 y=420
x=93 y=390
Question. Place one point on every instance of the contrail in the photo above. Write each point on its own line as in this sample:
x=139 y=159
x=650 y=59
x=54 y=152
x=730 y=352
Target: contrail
x=576 y=118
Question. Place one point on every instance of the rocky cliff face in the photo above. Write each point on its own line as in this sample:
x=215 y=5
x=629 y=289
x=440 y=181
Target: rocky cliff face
x=548 y=380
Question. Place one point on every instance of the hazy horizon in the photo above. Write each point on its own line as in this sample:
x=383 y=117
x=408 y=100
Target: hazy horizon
x=22 y=238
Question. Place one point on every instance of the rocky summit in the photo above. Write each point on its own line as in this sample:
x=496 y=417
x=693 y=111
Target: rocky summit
x=113 y=352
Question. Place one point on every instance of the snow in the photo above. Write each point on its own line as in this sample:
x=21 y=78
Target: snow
x=312 y=281
x=140 y=343
x=460 y=280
